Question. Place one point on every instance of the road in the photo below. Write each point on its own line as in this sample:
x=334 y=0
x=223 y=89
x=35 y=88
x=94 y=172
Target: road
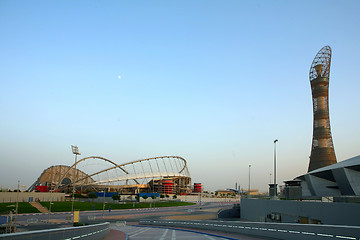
x=120 y=220
x=162 y=233
x=47 y=220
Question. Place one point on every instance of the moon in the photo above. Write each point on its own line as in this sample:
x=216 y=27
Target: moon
x=119 y=77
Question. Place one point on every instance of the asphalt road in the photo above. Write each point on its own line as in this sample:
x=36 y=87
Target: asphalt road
x=48 y=220
x=120 y=218
x=162 y=233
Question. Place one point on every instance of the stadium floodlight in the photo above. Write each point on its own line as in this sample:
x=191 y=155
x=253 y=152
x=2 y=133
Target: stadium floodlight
x=75 y=151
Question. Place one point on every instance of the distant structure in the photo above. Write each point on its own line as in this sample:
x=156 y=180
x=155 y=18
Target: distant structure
x=166 y=174
x=322 y=151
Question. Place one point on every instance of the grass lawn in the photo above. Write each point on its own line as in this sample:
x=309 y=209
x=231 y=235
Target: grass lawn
x=24 y=207
x=88 y=206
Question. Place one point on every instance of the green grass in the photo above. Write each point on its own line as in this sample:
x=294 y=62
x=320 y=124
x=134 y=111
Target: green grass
x=24 y=207
x=87 y=206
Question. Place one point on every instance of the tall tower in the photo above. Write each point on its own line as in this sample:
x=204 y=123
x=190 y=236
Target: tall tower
x=322 y=151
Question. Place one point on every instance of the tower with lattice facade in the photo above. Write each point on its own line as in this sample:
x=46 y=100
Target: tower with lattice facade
x=322 y=151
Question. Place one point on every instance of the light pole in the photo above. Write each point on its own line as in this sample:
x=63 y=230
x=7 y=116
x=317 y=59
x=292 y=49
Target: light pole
x=275 y=186
x=103 y=213
x=17 y=204
x=249 y=181
x=75 y=150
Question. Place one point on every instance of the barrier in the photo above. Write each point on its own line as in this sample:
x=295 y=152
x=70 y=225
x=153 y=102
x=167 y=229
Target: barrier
x=89 y=232
x=271 y=230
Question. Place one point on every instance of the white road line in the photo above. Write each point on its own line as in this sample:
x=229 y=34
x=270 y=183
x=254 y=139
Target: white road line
x=139 y=232
x=325 y=235
x=173 y=236
x=345 y=237
x=308 y=233
x=164 y=234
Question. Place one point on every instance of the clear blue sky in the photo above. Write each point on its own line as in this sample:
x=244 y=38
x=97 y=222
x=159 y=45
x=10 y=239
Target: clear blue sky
x=212 y=81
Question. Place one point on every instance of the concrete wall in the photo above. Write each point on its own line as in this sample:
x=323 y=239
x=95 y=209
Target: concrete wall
x=333 y=213
x=25 y=196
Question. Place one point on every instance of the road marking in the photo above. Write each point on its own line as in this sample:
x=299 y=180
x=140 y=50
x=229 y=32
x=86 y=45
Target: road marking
x=325 y=235
x=345 y=237
x=163 y=236
x=173 y=236
x=136 y=231
x=139 y=232
x=308 y=233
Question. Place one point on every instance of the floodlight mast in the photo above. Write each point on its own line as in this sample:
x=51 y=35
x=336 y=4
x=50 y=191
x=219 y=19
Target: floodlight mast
x=75 y=151
x=322 y=150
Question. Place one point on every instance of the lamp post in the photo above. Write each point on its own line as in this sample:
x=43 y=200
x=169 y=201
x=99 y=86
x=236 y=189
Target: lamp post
x=275 y=186
x=103 y=213
x=17 y=204
x=249 y=181
x=75 y=150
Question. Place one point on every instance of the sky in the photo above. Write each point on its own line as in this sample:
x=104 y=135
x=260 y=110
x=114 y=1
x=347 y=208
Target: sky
x=214 y=82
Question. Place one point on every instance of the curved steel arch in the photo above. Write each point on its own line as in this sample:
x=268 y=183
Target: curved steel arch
x=92 y=157
x=153 y=158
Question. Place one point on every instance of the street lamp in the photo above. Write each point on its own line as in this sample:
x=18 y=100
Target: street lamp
x=249 y=181
x=75 y=150
x=103 y=213
x=275 y=186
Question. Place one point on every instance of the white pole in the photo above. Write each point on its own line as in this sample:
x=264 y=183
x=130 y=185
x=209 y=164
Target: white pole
x=249 y=181
x=275 y=186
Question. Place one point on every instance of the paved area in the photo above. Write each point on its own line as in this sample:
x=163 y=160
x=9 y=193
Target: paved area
x=149 y=233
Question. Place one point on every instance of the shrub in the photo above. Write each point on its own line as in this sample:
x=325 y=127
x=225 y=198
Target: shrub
x=92 y=195
x=115 y=196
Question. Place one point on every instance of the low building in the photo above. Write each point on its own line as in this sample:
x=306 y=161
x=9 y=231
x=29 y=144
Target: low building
x=340 y=179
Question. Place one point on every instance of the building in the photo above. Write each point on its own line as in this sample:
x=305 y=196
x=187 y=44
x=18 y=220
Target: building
x=340 y=179
x=166 y=174
x=322 y=151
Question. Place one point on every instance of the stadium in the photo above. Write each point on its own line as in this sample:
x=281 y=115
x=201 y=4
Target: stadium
x=166 y=174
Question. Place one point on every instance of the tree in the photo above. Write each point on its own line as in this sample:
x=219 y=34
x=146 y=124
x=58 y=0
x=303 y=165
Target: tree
x=92 y=196
x=167 y=196
x=174 y=197
x=145 y=197
x=153 y=197
x=115 y=196
x=162 y=196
